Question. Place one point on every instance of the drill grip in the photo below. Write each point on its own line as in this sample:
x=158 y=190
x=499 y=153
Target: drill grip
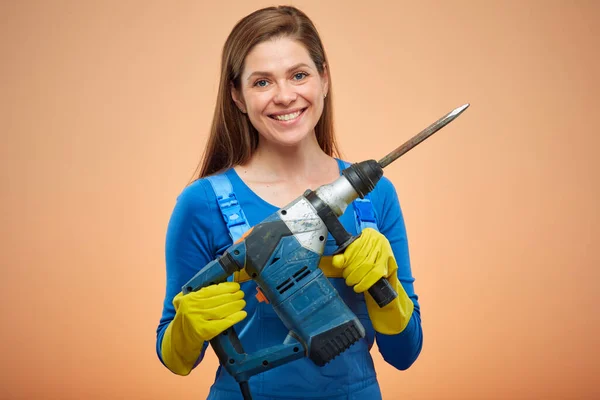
x=228 y=342
x=382 y=292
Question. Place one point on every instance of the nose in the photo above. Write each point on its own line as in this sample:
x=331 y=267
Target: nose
x=285 y=94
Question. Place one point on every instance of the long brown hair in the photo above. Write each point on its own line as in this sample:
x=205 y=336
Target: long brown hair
x=233 y=139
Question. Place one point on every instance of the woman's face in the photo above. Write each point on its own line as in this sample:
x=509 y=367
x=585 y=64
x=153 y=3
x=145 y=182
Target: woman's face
x=281 y=91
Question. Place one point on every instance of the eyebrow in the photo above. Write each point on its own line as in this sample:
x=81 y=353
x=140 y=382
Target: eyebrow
x=263 y=73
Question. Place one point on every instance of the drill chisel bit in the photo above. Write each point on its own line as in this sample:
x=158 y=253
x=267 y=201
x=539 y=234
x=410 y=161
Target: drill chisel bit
x=421 y=136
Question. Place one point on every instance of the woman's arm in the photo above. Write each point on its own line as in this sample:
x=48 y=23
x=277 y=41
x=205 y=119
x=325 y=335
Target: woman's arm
x=189 y=247
x=400 y=350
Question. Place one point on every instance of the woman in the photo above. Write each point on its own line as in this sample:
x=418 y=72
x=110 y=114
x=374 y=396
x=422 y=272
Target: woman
x=271 y=139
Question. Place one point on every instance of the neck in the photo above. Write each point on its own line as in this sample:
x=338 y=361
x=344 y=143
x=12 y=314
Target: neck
x=298 y=163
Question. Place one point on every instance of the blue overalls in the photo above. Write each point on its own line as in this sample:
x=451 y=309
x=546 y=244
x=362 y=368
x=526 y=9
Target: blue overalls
x=351 y=375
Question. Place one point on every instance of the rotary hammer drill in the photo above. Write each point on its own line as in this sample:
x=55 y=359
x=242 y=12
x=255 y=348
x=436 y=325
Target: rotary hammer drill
x=282 y=254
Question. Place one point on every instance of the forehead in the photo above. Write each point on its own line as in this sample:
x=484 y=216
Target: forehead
x=276 y=56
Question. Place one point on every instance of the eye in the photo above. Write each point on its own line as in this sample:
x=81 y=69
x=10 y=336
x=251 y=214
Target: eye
x=261 y=83
x=300 y=75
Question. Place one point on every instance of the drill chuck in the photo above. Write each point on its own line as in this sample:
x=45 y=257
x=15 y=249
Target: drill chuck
x=363 y=176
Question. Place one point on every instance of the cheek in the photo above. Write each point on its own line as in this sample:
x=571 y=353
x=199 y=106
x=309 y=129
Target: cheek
x=258 y=102
x=312 y=93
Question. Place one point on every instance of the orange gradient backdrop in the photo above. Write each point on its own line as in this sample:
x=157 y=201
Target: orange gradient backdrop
x=105 y=107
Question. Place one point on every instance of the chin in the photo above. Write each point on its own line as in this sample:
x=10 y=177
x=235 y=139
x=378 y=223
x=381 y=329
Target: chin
x=290 y=141
x=290 y=137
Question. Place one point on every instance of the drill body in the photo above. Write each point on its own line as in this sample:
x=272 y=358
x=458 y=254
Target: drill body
x=282 y=254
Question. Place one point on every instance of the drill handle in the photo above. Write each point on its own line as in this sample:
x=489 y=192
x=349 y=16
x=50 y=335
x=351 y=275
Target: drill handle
x=227 y=346
x=211 y=274
x=242 y=366
x=218 y=270
x=229 y=350
x=382 y=292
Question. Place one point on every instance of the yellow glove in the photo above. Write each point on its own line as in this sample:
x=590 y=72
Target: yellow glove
x=363 y=263
x=200 y=316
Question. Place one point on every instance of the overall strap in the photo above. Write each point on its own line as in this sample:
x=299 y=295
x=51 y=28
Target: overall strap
x=232 y=212
x=364 y=215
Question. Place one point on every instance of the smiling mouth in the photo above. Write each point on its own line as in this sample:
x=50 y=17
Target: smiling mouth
x=287 y=117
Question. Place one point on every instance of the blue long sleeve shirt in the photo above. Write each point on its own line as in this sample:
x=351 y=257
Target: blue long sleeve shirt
x=197 y=234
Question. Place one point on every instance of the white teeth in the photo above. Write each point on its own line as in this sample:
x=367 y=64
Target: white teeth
x=287 y=117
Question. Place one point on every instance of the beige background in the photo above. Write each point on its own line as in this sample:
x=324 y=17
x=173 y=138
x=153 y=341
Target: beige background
x=105 y=107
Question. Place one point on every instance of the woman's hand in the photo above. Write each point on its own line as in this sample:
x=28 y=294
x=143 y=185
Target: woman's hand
x=199 y=317
x=365 y=261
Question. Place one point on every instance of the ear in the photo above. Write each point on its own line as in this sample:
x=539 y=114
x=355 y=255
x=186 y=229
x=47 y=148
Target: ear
x=325 y=79
x=238 y=99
